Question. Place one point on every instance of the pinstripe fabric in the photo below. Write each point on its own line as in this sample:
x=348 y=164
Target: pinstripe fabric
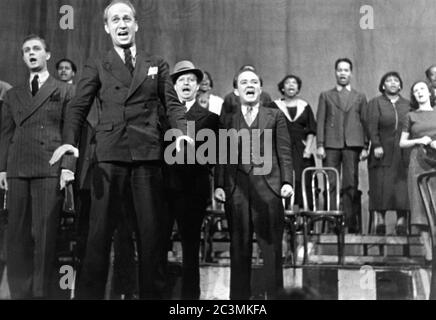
x=31 y=129
x=34 y=206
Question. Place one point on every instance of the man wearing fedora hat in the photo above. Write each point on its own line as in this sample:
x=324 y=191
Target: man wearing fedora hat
x=189 y=184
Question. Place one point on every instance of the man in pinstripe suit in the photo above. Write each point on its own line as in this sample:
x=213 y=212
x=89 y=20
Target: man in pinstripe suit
x=30 y=131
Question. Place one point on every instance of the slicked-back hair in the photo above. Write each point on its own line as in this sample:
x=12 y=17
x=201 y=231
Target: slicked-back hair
x=36 y=37
x=114 y=2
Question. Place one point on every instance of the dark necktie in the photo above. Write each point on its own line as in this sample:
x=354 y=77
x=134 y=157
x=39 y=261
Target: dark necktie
x=35 y=85
x=128 y=60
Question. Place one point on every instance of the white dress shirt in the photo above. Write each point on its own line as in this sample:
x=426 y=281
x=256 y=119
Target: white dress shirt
x=42 y=78
x=120 y=52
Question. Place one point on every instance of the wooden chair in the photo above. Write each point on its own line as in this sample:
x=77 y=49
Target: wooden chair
x=428 y=197
x=334 y=216
x=213 y=222
x=291 y=223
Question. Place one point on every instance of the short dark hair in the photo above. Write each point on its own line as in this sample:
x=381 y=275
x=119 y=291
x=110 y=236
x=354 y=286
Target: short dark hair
x=387 y=75
x=428 y=71
x=114 y=2
x=343 y=60
x=36 y=37
x=73 y=66
x=281 y=84
x=209 y=77
x=413 y=103
x=245 y=67
x=235 y=84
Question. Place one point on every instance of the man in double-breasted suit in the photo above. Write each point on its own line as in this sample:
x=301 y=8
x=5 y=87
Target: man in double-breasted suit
x=252 y=187
x=31 y=130
x=341 y=137
x=189 y=183
x=132 y=88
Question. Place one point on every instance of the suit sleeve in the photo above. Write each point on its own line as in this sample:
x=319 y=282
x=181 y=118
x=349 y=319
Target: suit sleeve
x=69 y=161
x=78 y=108
x=220 y=168
x=283 y=142
x=320 y=120
x=373 y=123
x=168 y=96
x=364 y=118
x=6 y=133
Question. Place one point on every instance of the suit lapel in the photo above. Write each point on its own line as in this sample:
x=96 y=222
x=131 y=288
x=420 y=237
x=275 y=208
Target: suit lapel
x=351 y=98
x=263 y=118
x=236 y=119
x=115 y=66
x=334 y=95
x=141 y=72
x=43 y=94
x=196 y=113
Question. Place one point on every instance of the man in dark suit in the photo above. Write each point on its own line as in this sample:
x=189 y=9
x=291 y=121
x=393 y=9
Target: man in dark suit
x=132 y=87
x=252 y=188
x=4 y=87
x=341 y=137
x=189 y=183
x=31 y=130
x=232 y=102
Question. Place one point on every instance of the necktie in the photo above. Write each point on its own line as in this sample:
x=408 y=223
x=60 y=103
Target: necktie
x=35 y=85
x=249 y=116
x=128 y=60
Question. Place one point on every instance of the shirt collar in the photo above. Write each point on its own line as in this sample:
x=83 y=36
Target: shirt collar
x=42 y=77
x=120 y=52
x=189 y=104
x=339 y=88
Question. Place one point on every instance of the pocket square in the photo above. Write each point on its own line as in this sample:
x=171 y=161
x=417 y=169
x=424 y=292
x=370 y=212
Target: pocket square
x=55 y=97
x=152 y=71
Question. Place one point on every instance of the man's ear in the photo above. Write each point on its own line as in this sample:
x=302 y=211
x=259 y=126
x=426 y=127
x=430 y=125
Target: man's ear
x=236 y=92
x=106 y=28
x=48 y=56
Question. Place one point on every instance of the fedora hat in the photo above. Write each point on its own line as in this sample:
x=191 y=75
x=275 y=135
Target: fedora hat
x=183 y=67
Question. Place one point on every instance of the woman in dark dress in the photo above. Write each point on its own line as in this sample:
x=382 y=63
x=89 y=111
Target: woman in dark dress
x=419 y=130
x=301 y=126
x=388 y=163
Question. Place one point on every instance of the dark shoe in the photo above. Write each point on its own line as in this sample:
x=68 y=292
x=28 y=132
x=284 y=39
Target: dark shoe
x=401 y=230
x=380 y=230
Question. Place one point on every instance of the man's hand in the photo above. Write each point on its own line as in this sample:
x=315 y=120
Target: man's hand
x=433 y=144
x=320 y=153
x=363 y=155
x=179 y=142
x=66 y=177
x=306 y=153
x=286 y=191
x=3 y=181
x=61 y=151
x=378 y=152
x=425 y=140
x=220 y=194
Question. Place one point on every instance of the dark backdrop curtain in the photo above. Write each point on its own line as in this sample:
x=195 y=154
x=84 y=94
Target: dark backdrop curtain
x=278 y=36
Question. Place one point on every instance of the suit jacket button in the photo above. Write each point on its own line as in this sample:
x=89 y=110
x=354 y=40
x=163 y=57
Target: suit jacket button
x=117 y=88
x=41 y=143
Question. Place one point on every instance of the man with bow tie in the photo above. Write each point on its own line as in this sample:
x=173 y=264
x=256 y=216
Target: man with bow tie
x=132 y=88
x=31 y=129
x=253 y=190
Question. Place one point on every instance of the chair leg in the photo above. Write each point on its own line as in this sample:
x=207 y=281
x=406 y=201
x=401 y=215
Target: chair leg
x=341 y=240
x=293 y=239
x=370 y=217
x=305 y=258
